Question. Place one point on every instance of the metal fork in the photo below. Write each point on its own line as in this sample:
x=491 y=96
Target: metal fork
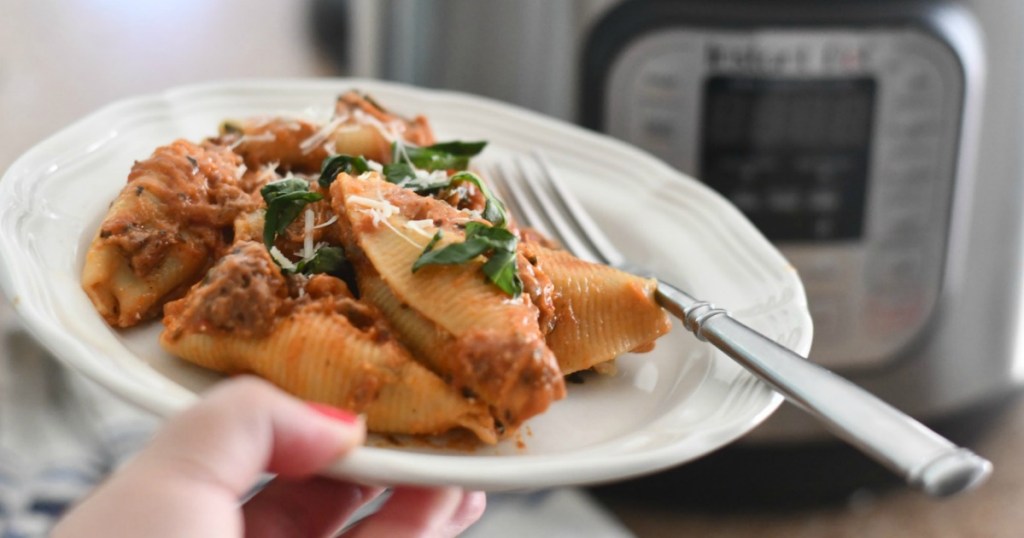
x=922 y=457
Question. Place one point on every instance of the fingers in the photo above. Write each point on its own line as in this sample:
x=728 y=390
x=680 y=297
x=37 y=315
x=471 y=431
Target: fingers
x=312 y=507
x=245 y=427
x=187 y=482
x=469 y=511
x=413 y=511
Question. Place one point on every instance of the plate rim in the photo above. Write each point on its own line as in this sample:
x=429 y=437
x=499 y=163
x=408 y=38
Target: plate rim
x=354 y=466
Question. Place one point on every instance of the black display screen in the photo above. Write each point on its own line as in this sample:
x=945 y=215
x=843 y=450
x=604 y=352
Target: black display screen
x=792 y=154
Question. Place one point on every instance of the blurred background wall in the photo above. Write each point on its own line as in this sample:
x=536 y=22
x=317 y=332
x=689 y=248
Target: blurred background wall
x=61 y=59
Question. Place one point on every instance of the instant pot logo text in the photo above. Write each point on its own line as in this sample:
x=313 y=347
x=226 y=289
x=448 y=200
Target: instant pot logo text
x=796 y=58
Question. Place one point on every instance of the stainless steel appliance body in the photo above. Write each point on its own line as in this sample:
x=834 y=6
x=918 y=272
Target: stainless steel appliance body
x=876 y=143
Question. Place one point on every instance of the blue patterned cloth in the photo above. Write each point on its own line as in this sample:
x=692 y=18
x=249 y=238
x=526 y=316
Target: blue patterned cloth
x=59 y=434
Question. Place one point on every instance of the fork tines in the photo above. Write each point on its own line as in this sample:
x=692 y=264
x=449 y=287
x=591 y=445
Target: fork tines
x=535 y=196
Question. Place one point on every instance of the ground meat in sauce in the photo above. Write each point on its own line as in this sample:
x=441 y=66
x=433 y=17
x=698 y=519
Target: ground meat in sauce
x=417 y=207
x=538 y=287
x=276 y=141
x=333 y=295
x=184 y=194
x=464 y=195
x=531 y=235
x=243 y=294
x=197 y=182
x=416 y=130
x=513 y=368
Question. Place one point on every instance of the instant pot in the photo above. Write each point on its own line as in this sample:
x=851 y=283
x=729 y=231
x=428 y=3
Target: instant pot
x=876 y=143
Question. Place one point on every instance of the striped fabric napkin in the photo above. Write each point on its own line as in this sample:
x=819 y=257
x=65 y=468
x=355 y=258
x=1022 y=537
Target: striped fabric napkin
x=61 y=434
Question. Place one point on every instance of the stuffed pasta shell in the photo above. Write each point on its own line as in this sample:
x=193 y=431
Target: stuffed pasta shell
x=163 y=230
x=322 y=345
x=359 y=263
x=484 y=342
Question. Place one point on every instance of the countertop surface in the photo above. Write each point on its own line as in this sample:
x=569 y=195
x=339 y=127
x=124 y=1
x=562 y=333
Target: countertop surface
x=996 y=509
x=60 y=60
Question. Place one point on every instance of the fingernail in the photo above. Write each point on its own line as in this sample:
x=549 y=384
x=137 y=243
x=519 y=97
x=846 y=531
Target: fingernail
x=335 y=413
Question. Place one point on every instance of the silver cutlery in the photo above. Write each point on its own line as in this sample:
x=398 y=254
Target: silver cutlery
x=925 y=459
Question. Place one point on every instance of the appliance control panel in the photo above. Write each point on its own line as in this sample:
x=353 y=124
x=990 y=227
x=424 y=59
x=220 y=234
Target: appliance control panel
x=840 y=144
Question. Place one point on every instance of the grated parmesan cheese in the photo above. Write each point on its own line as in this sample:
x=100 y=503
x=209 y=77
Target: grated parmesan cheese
x=281 y=259
x=380 y=211
x=319 y=137
x=425 y=180
x=328 y=222
x=262 y=137
x=307 y=234
x=420 y=227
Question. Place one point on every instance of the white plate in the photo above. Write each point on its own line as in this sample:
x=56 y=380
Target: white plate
x=663 y=408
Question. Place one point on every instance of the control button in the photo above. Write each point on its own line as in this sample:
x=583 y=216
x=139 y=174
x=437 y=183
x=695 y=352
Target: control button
x=903 y=223
x=747 y=201
x=827 y=314
x=825 y=227
x=784 y=201
x=656 y=130
x=823 y=201
x=910 y=174
x=915 y=127
x=659 y=80
x=895 y=272
x=886 y=317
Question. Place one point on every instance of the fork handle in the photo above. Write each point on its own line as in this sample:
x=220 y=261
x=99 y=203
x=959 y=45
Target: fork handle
x=924 y=458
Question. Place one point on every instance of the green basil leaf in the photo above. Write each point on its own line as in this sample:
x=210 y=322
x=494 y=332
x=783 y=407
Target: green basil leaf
x=231 y=127
x=502 y=270
x=452 y=254
x=443 y=156
x=460 y=148
x=404 y=175
x=497 y=244
x=397 y=172
x=336 y=164
x=329 y=260
x=497 y=237
x=494 y=209
x=285 y=200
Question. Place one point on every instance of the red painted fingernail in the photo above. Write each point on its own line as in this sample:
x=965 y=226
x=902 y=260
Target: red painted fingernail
x=335 y=413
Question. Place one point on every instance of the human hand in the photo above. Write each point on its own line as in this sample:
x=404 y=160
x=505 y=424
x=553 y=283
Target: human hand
x=189 y=479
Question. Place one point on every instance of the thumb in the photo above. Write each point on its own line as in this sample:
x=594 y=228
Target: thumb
x=189 y=479
x=246 y=426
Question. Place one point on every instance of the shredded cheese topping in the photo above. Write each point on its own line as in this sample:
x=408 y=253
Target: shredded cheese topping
x=425 y=179
x=380 y=211
x=281 y=259
x=421 y=227
x=262 y=137
x=319 y=137
x=307 y=234
x=328 y=222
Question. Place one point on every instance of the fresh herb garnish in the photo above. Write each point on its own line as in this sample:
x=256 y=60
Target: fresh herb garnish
x=341 y=163
x=494 y=209
x=453 y=155
x=231 y=127
x=418 y=181
x=495 y=243
x=285 y=200
x=398 y=172
x=329 y=260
